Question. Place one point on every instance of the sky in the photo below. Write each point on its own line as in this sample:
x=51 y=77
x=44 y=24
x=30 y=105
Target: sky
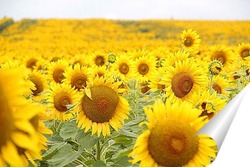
x=127 y=9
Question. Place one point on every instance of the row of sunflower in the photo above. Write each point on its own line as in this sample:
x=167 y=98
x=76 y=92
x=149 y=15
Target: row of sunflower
x=120 y=97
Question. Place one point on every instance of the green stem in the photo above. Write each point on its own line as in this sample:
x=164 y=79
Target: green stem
x=98 y=151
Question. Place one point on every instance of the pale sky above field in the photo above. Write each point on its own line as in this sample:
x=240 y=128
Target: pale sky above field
x=127 y=9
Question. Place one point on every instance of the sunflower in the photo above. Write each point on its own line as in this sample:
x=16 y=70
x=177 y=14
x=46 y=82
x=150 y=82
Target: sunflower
x=220 y=84
x=170 y=138
x=19 y=141
x=99 y=59
x=177 y=56
x=183 y=80
x=243 y=50
x=15 y=65
x=101 y=107
x=209 y=104
x=122 y=67
x=77 y=77
x=191 y=41
x=31 y=60
x=62 y=99
x=238 y=73
x=80 y=59
x=99 y=71
x=56 y=70
x=156 y=80
x=144 y=68
x=215 y=67
x=223 y=54
x=40 y=83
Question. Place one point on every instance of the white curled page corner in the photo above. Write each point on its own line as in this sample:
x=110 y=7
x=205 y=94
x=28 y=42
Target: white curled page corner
x=230 y=128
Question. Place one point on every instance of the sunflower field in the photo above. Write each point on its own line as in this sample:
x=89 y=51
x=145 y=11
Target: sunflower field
x=116 y=93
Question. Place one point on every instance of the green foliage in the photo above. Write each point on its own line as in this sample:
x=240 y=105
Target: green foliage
x=6 y=24
x=71 y=146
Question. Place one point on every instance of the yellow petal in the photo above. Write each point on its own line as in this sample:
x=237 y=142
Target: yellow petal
x=24 y=141
x=11 y=156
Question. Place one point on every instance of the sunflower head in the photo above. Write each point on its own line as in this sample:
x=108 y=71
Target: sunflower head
x=38 y=80
x=111 y=57
x=101 y=106
x=77 y=77
x=190 y=40
x=99 y=59
x=56 y=70
x=19 y=136
x=215 y=67
x=182 y=84
x=222 y=54
x=220 y=84
x=145 y=67
x=243 y=50
x=171 y=139
x=62 y=100
x=122 y=67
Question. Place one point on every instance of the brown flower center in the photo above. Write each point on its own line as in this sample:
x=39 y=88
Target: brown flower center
x=144 y=87
x=124 y=68
x=31 y=63
x=61 y=100
x=102 y=105
x=205 y=112
x=172 y=143
x=188 y=41
x=182 y=84
x=217 y=88
x=245 y=53
x=79 y=81
x=143 y=69
x=99 y=60
x=38 y=85
x=58 y=75
x=220 y=56
x=6 y=119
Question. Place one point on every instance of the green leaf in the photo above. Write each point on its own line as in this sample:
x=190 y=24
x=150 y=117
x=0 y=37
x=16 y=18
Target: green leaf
x=122 y=161
x=64 y=156
x=89 y=162
x=52 y=150
x=99 y=164
x=68 y=130
x=128 y=133
x=123 y=152
x=86 y=140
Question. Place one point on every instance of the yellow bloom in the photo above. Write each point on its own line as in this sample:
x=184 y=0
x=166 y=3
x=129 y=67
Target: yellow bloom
x=77 y=77
x=209 y=104
x=183 y=80
x=170 y=139
x=99 y=71
x=191 y=41
x=144 y=68
x=177 y=56
x=56 y=70
x=101 y=107
x=223 y=54
x=62 y=99
x=40 y=83
x=122 y=67
x=98 y=59
x=243 y=50
x=220 y=84
x=19 y=140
